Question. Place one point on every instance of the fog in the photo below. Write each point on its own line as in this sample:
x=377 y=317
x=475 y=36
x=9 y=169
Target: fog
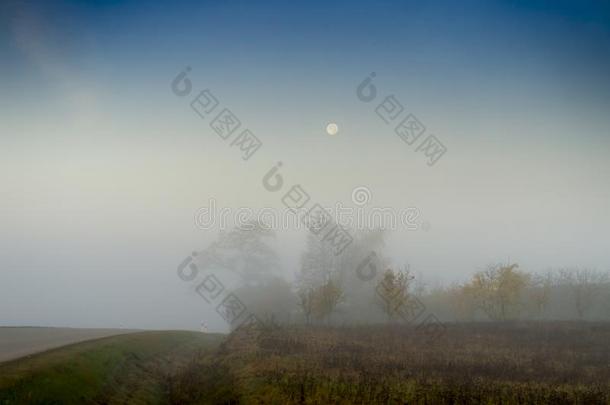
x=105 y=169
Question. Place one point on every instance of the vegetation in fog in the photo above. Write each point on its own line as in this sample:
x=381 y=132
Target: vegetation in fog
x=352 y=288
x=506 y=362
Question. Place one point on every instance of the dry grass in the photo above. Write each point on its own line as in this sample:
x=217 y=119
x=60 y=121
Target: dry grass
x=553 y=362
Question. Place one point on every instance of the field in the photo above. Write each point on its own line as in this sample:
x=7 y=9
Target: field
x=487 y=363
x=132 y=368
x=484 y=363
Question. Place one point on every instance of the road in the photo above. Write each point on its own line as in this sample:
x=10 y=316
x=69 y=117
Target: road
x=18 y=342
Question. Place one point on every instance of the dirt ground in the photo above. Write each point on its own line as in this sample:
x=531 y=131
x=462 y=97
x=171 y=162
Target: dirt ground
x=17 y=342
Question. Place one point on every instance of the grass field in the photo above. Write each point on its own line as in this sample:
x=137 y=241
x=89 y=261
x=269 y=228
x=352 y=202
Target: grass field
x=133 y=368
x=481 y=363
x=488 y=363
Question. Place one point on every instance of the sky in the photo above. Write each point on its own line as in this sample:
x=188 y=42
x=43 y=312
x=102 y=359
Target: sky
x=103 y=166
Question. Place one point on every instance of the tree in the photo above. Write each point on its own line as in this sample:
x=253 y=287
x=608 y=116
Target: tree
x=461 y=302
x=316 y=267
x=419 y=287
x=497 y=290
x=243 y=250
x=366 y=241
x=357 y=270
x=585 y=285
x=540 y=291
x=320 y=301
x=307 y=299
x=317 y=264
x=393 y=292
x=271 y=301
x=326 y=298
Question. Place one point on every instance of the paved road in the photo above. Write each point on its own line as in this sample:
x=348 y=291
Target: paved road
x=19 y=342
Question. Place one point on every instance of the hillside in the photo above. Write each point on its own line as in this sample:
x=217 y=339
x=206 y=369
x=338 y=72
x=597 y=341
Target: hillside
x=132 y=368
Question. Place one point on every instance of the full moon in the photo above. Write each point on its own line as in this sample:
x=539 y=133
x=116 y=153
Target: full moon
x=332 y=129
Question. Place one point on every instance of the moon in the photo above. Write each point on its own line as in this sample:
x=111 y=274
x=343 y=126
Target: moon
x=332 y=129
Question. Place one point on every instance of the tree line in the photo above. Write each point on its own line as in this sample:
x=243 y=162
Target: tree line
x=353 y=288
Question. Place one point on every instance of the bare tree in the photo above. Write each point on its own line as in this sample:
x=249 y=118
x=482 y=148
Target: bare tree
x=393 y=293
x=541 y=286
x=243 y=250
x=273 y=301
x=317 y=264
x=462 y=302
x=585 y=285
x=317 y=289
x=419 y=287
x=307 y=299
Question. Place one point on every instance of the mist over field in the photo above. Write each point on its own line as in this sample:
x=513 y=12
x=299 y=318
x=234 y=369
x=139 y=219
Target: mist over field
x=205 y=186
x=105 y=169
